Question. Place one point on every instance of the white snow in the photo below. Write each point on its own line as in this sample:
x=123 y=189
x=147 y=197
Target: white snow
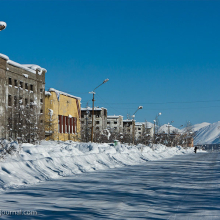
x=164 y=128
x=113 y=116
x=208 y=135
x=196 y=127
x=28 y=67
x=90 y=109
x=58 y=93
x=3 y=25
x=4 y=56
x=25 y=75
x=50 y=160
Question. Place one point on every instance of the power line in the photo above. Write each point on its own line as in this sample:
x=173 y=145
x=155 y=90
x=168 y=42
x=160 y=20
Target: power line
x=161 y=103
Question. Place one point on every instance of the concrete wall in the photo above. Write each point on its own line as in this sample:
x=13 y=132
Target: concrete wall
x=14 y=118
x=65 y=106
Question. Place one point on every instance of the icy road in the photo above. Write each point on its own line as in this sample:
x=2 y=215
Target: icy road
x=182 y=187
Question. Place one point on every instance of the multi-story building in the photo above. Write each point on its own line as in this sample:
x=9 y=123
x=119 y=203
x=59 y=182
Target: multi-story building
x=128 y=126
x=115 y=123
x=21 y=100
x=62 y=116
x=99 y=119
x=139 y=129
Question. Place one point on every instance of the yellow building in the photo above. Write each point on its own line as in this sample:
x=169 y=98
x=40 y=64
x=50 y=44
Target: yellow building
x=62 y=116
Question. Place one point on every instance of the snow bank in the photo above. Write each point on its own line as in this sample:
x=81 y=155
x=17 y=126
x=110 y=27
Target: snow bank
x=53 y=160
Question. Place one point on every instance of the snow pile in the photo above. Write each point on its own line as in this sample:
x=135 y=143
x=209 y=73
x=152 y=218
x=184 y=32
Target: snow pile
x=208 y=135
x=53 y=160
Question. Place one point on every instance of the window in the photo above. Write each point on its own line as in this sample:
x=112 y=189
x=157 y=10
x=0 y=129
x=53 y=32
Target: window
x=15 y=101
x=16 y=82
x=97 y=128
x=20 y=100
x=67 y=125
x=31 y=103
x=31 y=87
x=139 y=129
x=26 y=86
x=21 y=84
x=9 y=100
x=41 y=111
x=41 y=100
x=26 y=102
x=41 y=121
x=115 y=122
x=82 y=122
x=108 y=122
x=97 y=122
x=41 y=90
x=9 y=81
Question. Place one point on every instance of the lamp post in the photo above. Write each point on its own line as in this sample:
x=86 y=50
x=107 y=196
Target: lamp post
x=156 y=123
x=133 y=122
x=93 y=100
x=168 y=127
x=2 y=25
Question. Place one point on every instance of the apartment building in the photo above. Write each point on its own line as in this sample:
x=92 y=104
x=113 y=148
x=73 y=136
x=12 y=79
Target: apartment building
x=21 y=100
x=115 y=123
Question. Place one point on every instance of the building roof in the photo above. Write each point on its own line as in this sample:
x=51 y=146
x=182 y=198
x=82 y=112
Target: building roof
x=113 y=116
x=95 y=108
x=139 y=123
x=128 y=120
x=58 y=93
x=28 y=67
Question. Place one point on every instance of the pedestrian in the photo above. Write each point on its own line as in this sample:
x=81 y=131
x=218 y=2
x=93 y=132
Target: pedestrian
x=195 y=149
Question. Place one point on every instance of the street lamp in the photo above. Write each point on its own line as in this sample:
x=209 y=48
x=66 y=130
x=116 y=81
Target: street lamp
x=168 y=127
x=2 y=25
x=93 y=100
x=133 y=122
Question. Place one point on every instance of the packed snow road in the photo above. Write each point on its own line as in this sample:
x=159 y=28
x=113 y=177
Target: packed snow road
x=182 y=187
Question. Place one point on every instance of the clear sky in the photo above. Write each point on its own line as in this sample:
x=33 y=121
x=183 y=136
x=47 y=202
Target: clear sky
x=163 y=55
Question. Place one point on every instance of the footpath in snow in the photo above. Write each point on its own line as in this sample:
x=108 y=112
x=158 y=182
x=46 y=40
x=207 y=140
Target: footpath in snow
x=50 y=160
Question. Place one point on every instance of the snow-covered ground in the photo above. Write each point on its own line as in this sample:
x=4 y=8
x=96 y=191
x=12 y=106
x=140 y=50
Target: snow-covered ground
x=51 y=160
x=178 y=188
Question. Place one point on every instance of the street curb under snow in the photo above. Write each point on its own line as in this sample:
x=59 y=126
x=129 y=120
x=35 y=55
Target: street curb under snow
x=51 y=160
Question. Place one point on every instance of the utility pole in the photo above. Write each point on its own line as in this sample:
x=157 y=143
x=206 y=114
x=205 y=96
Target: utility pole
x=133 y=123
x=93 y=100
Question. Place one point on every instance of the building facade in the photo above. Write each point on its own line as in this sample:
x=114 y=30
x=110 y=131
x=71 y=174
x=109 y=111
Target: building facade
x=115 y=123
x=21 y=100
x=99 y=118
x=128 y=126
x=62 y=116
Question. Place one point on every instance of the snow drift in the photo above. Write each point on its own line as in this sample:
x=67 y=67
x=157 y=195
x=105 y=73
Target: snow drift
x=50 y=160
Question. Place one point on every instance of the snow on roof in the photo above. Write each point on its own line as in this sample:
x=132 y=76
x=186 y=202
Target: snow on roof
x=114 y=116
x=90 y=109
x=58 y=93
x=139 y=123
x=28 y=67
x=128 y=120
x=47 y=93
x=4 y=56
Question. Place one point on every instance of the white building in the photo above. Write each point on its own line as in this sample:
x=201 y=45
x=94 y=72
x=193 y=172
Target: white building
x=99 y=118
x=115 y=123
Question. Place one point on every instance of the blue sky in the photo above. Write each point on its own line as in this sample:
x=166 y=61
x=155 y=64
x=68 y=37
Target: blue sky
x=163 y=55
